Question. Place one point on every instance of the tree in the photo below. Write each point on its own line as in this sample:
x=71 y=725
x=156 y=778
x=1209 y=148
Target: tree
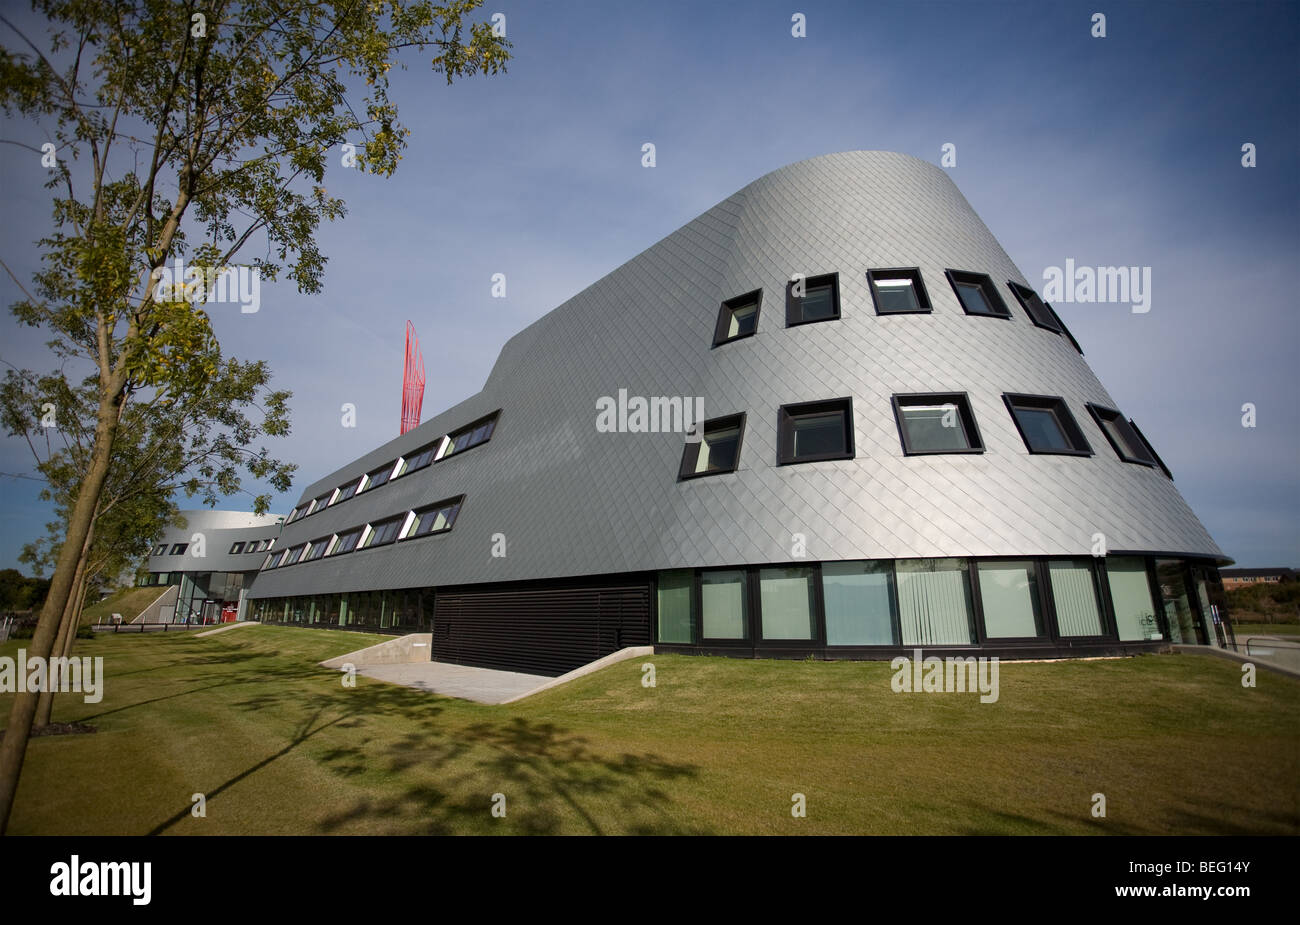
x=230 y=112
x=197 y=443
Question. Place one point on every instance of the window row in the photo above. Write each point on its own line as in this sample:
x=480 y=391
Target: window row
x=409 y=610
x=446 y=446
x=928 y=423
x=918 y=602
x=895 y=291
x=424 y=521
x=251 y=546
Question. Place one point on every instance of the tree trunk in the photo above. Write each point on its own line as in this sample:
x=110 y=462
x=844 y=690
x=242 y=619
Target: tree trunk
x=13 y=748
x=45 y=700
x=67 y=629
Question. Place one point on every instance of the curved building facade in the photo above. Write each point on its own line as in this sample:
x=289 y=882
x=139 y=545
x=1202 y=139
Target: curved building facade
x=212 y=559
x=902 y=446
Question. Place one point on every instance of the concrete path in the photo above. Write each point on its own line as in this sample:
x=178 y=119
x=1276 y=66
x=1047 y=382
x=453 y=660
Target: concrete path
x=482 y=685
x=226 y=626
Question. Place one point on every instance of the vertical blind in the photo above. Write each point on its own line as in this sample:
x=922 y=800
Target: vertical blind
x=1074 y=589
x=934 y=604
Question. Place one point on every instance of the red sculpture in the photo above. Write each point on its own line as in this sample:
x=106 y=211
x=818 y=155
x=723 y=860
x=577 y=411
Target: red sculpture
x=412 y=381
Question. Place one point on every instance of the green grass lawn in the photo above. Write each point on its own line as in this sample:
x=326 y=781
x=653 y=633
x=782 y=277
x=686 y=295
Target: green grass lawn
x=1268 y=629
x=279 y=745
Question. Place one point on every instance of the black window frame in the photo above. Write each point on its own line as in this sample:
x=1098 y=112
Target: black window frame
x=794 y=304
x=788 y=414
x=691 y=451
x=399 y=520
x=341 y=537
x=425 y=454
x=238 y=548
x=160 y=549
x=986 y=285
x=1069 y=426
x=1064 y=330
x=1046 y=318
x=724 y=316
x=455 y=504
x=918 y=289
x=310 y=554
x=961 y=400
x=1151 y=449
x=1100 y=414
x=370 y=476
x=492 y=419
x=178 y=549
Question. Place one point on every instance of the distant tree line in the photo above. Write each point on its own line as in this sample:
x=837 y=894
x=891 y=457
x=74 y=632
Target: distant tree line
x=20 y=593
x=1265 y=602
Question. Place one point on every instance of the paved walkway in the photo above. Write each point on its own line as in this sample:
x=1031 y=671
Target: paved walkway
x=482 y=685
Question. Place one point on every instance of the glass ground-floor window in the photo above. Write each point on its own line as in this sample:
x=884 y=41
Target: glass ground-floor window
x=724 y=606
x=1009 y=599
x=1184 y=626
x=787 y=602
x=1130 y=597
x=859 y=601
x=1074 y=591
x=934 y=602
x=676 y=591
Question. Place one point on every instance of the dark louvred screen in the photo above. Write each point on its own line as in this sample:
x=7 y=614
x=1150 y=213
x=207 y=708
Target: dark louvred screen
x=544 y=628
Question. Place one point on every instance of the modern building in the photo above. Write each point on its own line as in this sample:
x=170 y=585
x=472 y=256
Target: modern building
x=211 y=559
x=1241 y=577
x=902 y=446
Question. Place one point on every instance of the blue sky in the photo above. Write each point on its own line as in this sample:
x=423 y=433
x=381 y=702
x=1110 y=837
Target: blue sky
x=1123 y=151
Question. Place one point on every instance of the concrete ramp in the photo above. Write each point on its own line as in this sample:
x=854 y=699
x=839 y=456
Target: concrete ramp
x=403 y=650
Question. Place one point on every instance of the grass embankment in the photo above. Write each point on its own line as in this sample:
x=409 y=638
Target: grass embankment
x=279 y=745
x=127 y=601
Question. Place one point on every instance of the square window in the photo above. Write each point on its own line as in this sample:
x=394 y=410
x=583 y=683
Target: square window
x=348 y=490
x=815 y=431
x=786 y=600
x=860 y=603
x=1046 y=425
x=1009 y=599
x=820 y=300
x=1122 y=436
x=738 y=317
x=293 y=555
x=934 y=602
x=239 y=547
x=724 y=609
x=299 y=511
x=977 y=294
x=319 y=504
x=898 y=291
x=717 y=450
x=936 y=423
x=1076 y=593
x=1034 y=307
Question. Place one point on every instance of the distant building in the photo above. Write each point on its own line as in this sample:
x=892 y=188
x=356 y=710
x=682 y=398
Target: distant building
x=212 y=560
x=1241 y=577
